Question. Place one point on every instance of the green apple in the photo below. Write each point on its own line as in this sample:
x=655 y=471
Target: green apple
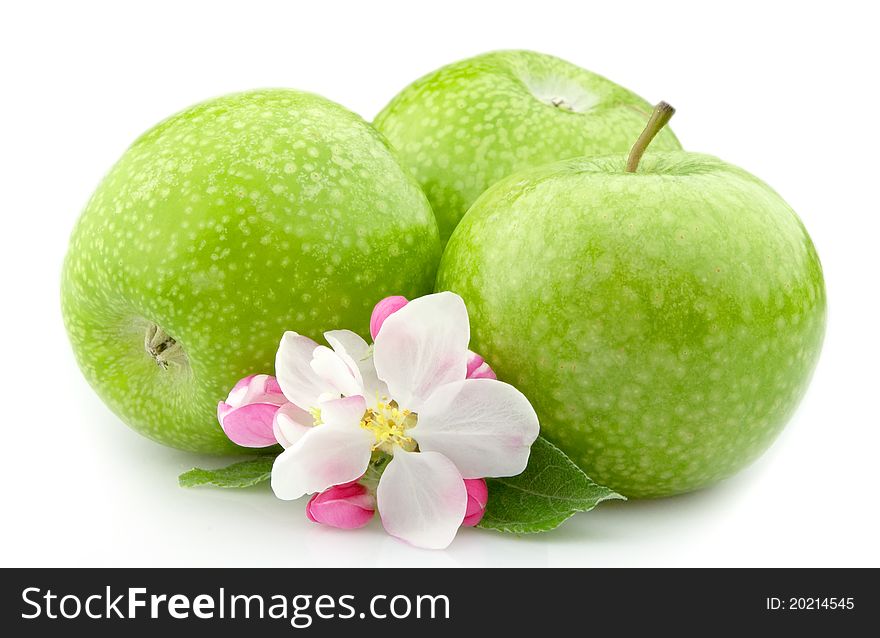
x=219 y=229
x=663 y=322
x=467 y=125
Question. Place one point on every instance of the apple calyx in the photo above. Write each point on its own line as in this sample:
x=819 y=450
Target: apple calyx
x=560 y=103
x=162 y=347
x=663 y=112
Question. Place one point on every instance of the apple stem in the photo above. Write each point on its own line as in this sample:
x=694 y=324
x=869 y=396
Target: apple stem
x=161 y=346
x=663 y=112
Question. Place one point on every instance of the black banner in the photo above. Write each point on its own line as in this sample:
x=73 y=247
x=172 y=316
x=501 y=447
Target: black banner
x=187 y=602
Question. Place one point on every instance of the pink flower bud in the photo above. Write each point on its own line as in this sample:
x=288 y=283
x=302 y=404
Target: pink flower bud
x=347 y=506
x=247 y=414
x=384 y=309
x=477 y=368
x=477 y=497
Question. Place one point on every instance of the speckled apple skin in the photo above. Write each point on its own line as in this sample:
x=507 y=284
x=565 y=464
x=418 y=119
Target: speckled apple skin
x=467 y=125
x=226 y=225
x=664 y=324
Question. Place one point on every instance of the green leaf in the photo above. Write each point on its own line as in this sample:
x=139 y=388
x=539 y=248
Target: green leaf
x=242 y=474
x=550 y=491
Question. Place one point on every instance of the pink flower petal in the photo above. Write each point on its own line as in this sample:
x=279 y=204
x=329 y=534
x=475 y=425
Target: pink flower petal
x=478 y=496
x=348 y=506
x=223 y=409
x=388 y=306
x=477 y=368
x=250 y=425
x=272 y=386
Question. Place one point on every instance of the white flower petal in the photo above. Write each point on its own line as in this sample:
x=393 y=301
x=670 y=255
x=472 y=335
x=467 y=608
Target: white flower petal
x=347 y=343
x=357 y=355
x=422 y=346
x=326 y=455
x=486 y=427
x=346 y=412
x=290 y=423
x=341 y=376
x=352 y=349
x=240 y=391
x=422 y=498
x=260 y=390
x=294 y=372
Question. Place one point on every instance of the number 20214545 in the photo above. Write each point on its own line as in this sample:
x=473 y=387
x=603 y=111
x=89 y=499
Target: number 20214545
x=802 y=603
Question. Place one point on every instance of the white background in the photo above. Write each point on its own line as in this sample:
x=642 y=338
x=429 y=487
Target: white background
x=787 y=90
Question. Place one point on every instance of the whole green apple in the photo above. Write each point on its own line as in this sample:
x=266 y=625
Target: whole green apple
x=467 y=125
x=219 y=229
x=664 y=323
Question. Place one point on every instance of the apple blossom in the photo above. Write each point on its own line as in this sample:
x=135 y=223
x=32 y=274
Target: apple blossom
x=248 y=413
x=478 y=496
x=409 y=409
x=346 y=506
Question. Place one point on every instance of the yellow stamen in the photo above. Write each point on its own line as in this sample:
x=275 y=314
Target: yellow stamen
x=389 y=423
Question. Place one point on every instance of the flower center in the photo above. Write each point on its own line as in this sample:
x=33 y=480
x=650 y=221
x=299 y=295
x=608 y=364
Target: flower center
x=389 y=423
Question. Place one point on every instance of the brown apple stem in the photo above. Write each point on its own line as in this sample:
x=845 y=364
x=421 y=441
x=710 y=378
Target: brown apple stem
x=663 y=112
